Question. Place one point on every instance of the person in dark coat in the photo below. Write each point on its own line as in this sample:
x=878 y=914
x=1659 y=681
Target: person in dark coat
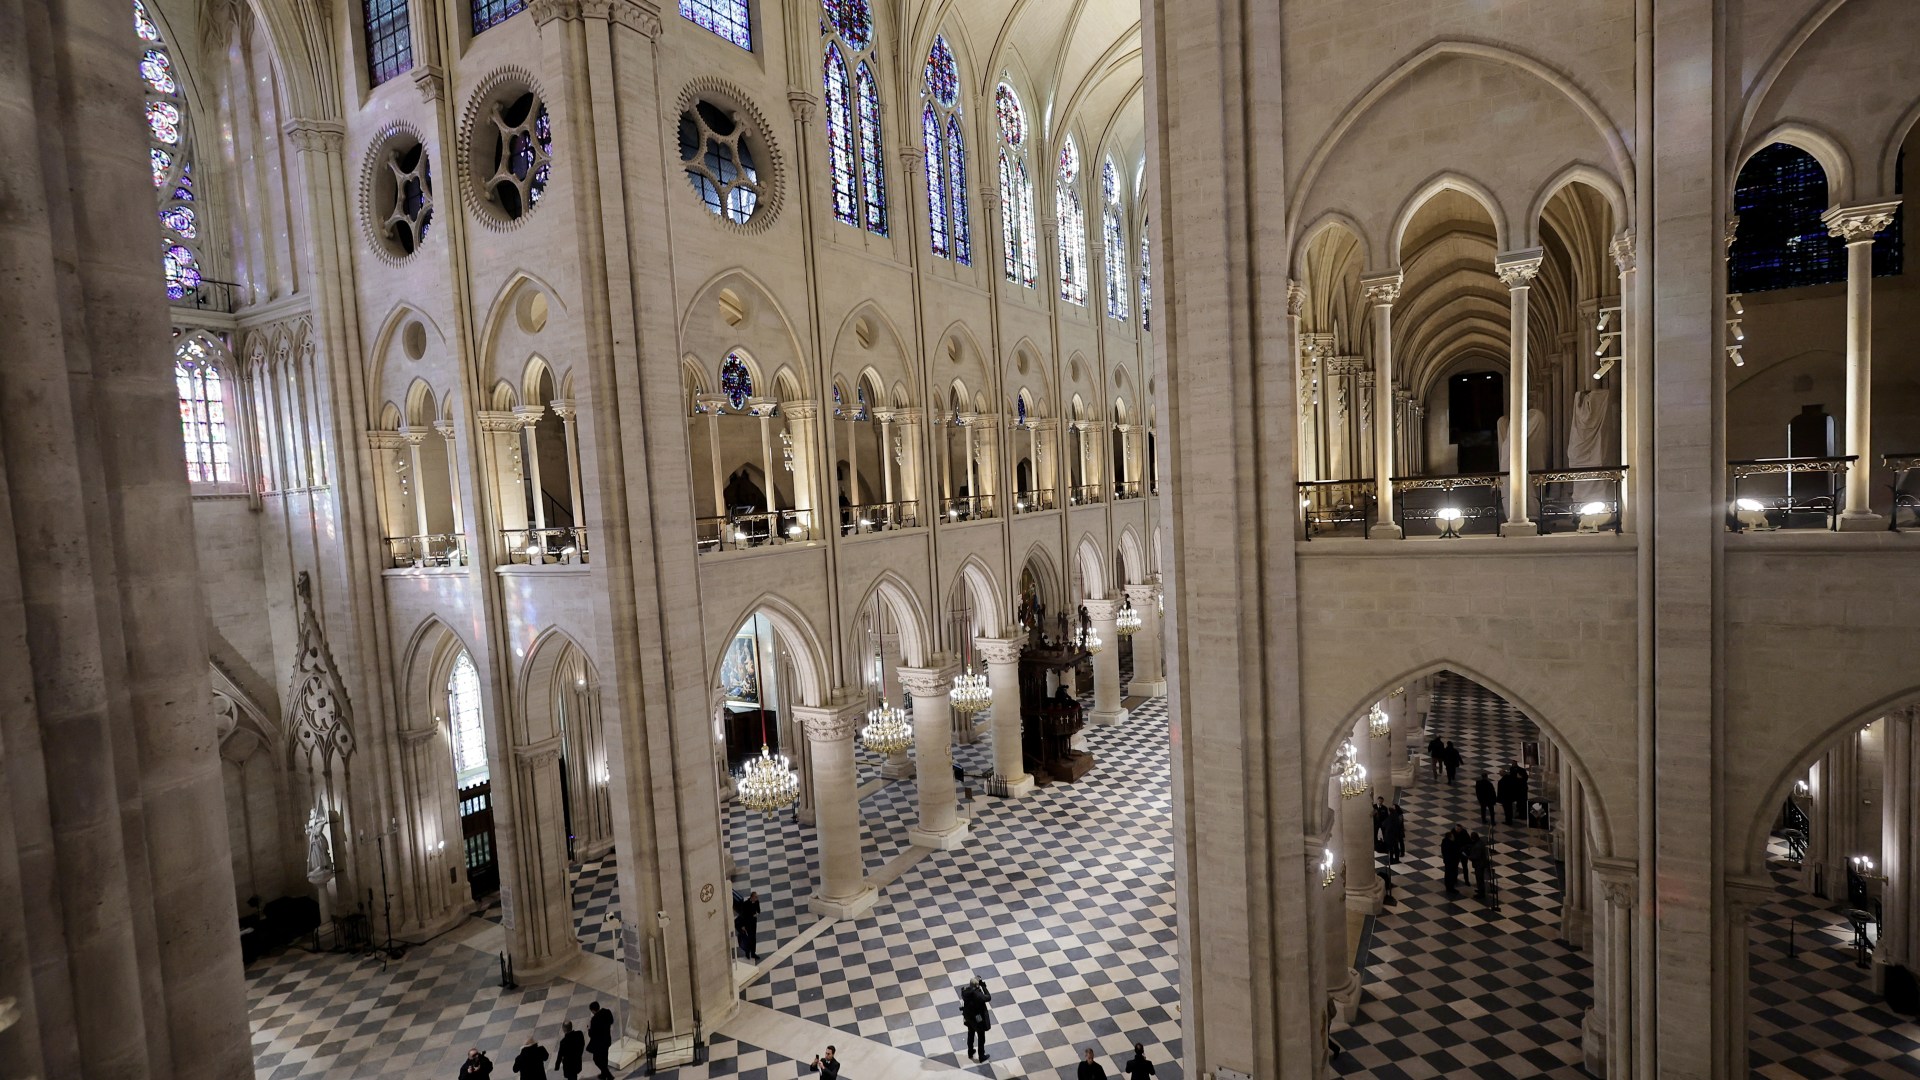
x=1450 y=757
x=1513 y=791
x=1481 y=859
x=1484 y=791
x=976 y=1016
x=826 y=1065
x=531 y=1062
x=1453 y=853
x=746 y=924
x=1138 y=1067
x=1379 y=824
x=1090 y=1069
x=1436 y=755
x=600 y=1038
x=573 y=1047
x=477 y=1066
x=1396 y=834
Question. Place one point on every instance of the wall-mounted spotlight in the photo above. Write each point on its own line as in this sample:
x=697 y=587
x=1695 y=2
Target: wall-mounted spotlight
x=1605 y=366
x=1733 y=354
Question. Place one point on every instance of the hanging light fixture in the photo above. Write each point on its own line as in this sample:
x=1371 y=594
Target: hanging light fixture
x=1327 y=871
x=1090 y=639
x=1353 y=775
x=1127 y=623
x=887 y=730
x=767 y=783
x=1377 y=723
x=970 y=693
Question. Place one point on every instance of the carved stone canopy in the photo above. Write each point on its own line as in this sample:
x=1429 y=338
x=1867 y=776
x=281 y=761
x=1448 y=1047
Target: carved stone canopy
x=322 y=718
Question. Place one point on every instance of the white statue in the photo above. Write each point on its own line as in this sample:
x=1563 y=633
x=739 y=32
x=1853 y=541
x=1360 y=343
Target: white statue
x=319 y=852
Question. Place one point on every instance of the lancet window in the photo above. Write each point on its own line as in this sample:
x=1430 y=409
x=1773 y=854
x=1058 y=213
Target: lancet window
x=1016 y=189
x=728 y=18
x=1073 y=225
x=947 y=220
x=1114 y=239
x=854 y=149
x=170 y=152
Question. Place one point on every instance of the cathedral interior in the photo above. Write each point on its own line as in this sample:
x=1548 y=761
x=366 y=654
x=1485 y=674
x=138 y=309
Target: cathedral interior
x=590 y=546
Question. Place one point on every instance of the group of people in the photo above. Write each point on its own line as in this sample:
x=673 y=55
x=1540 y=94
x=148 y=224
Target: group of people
x=570 y=1053
x=1442 y=754
x=1510 y=794
x=1389 y=830
x=1461 y=851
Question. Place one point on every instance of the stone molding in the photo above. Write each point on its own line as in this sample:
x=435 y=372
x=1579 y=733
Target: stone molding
x=316 y=136
x=499 y=421
x=803 y=106
x=1103 y=610
x=540 y=753
x=1619 y=881
x=1143 y=595
x=830 y=723
x=799 y=410
x=1000 y=652
x=1382 y=289
x=1746 y=894
x=927 y=681
x=1858 y=224
x=1296 y=297
x=385 y=440
x=1624 y=251
x=1517 y=269
x=416 y=736
x=563 y=408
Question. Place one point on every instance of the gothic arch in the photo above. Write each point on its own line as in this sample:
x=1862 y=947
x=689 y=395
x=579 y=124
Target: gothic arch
x=796 y=633
x=1092 y=563
x=1448 y=181
x=1577 y=173
x=989 y=605
x=1822 y=146
x=1328 y=219
x=759 y=301
x=1134 y=558
x=387 y=336
x=909 y=615
x=1890 y=158
x=500 y=310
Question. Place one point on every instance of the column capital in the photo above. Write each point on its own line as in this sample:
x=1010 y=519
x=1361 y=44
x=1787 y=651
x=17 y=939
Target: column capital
x=416 y=736
x=445 y=429
x=928 y=681
x=761 y=407
x=1619 y=880
x=803 y=105
x=1296 y=297
x=564 y=408
x=495 y=420
x=1000 y=651
x=831 y=723
x=381 y=439
x=529 y=414
x=913 y=157
x=1857 y=224
x=800 y=410
x=413 y=436
x=1102 y=610
x=316 y=136
x=1142 y=594
x=1516 y=269
x=1745 y=894
x=1623 y=251
x=1382 y=287
x=540 y=753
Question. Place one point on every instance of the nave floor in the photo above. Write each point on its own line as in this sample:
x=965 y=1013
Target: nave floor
x=1450 y=989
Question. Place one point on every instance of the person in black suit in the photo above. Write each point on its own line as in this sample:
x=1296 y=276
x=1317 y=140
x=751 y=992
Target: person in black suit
x=974 y=1014
x=531 y=1062
x=1453 y=853
x=600 y=1038
x=1513 y=792
x=1436 y=755
x=573 y=1047
x=477 y=1066
x=1090 y=1069
x=1450 y=757
x=1484 y=793
x=826 y=1065
x=746 y=924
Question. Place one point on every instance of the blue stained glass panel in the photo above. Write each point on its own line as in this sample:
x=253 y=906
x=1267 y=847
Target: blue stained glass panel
x=871 y=154
x=852 y=20
x=179 y=219
x=736 y=381
x=728 y=18
x=943 y=74
x=1006 y=106
x=162 y=164
x=158 y=71
x=490 y=13
x=936 y=183
x=840 y=153
x=163 y=120
x=957 y=190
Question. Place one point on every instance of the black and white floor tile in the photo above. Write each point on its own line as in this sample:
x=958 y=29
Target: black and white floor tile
x=1450 y=988
x=1812 y=1011
x=1062 y=900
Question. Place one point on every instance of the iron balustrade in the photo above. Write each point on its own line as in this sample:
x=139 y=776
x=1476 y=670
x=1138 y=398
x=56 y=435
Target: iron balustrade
x=1336 y=507
x=864 y=518
x=1587 y=500
x=1129 y=489
x=1085 y=495
x=967 y=508
x=543 y=547
x=1754 y=502
x=429 y=549
x=741 y=532
x=1025 y=502
x=1902 y=464
x=1474 y=502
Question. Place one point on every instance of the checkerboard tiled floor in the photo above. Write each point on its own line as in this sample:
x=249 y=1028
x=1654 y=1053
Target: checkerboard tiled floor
x=1811 y=1011
x=1062 y=900
x=1451 y=989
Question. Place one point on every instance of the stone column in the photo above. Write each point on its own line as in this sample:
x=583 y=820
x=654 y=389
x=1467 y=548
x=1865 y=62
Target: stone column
x=1381 y=291
x=1148 y=678
x=1608 y=1038
x=1743 y=898
x=1010 y=777
x=446 y=431
x=569 y=414
x=1835 y=829
x=1899 y=854
x=801 y=418
x=940 y=824
x=1856 y=225
x=1632 y=375
x=1365 y=892
x=762 y=410
x=417 y=482
x=1400 y=711
x=887 y=684
x=543 y=940
x=1106 y=663
x=1343 y=980
x=1517 y=270
x=1377 y=751
x=530 y=416
x=1576 y=905
x=842 y=891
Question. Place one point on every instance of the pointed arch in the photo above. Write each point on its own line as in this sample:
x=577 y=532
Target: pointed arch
x=1092 y=562
x=909 y=615
x=1046 y=574
x=1823 y=147
x=1133 y=556
x=796 y=632
x=1577 y=173
x=1448 y=181
x=989 y=602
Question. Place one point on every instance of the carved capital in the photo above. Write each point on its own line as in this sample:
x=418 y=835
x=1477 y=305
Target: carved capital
x=929 y=681
x=800 y=410
x=1857 y=224
x=1517 y=269
x=914 y=158
x=316 y=136
x=534 y=755
x=431 y=81
x=640 y=15
x=563 y=408
x=445 y=429
x=1144 y=597
x=1000 y=652
x=832 y=723
x=803 y=105
x=1619 y=880
x=1383 y=289
x=529 y=414
x=416 y=736
x=1623 y=250
x=1101 y=610
x=1296 y=297
x=494 y=421
x=384 y=440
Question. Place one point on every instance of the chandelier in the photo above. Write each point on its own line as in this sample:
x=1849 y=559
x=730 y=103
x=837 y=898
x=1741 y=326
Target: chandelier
x=970 y=693
x=1090 y=641
x=1327 y=871
x=887 y=731
x=767 y=783
x=1377 y=723
x=1352 y=774
x=1127 y=623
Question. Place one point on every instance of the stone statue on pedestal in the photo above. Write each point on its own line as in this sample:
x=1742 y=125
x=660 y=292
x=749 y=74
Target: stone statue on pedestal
x=319 y=850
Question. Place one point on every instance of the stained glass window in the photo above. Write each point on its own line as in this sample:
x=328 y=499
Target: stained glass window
x=389 y=44
x=855 y=152
x=1073 y=226
x=170 y=157
x=1020 y=410
x=203 y=413
x=728 y=18
x=947 y=221
x=465 y=725
x=1016 y=190
x=1781 y=243
x=1146 y=280
x=1114 y=240
x=736 y=382
x=490 y=13
x=719 y=164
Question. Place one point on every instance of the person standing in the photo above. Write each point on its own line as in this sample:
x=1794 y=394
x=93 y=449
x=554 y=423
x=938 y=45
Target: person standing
x=1487 y=795
x=1396 y=834
x=1450 y=757
x=531 y=1063
x=573 y=1046
x=746 y=924
x=826 y=1065
x=1482 y=860
x=477 y=1066
x=600 y=1037
x=1436 y=755
x=1513 y=791
x=1138 y=1067
x=1453 y=852
x=976 y=1016
x=1090 y=1069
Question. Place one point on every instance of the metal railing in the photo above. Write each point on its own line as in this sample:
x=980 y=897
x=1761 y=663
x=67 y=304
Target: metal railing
x=1582 y=500
x=1453 y=505
x=1336 y=507
x=1085 y=494
x=742 y=532
x=1129 y=489
x=967 y=508
x=864 y=518
x=546 y=547
x=1026 y=502
x=429 y=549
x=1764 y=494
x=1901 y=464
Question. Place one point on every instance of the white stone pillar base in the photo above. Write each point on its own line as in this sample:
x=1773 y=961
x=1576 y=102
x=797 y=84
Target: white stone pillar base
x=945 y=840
x=1402 y=776
x=1862 y=521
x=1385 y=530
x=1593 y=1043
x=624 y=1054
x=1368 y=899
x=1519 y=528
x=898 y=767
x=1143 y=689
x=1107 y=719
x=1346 y=998
x=1576 y=928
x=1011 y=787
x=845 y=907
